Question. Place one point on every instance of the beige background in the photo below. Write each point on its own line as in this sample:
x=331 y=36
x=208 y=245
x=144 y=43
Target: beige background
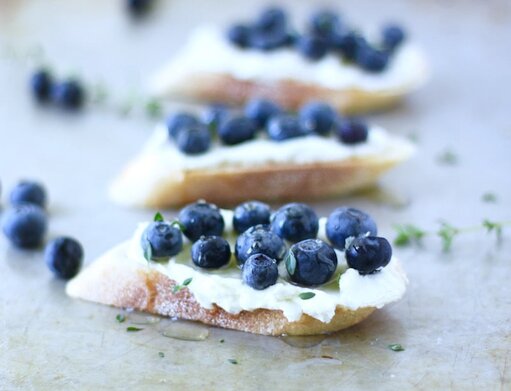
x=455 y=321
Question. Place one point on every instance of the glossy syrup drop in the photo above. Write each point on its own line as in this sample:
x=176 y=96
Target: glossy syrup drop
x=185 y=330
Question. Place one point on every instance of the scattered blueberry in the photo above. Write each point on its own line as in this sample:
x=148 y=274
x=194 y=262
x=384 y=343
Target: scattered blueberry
x=325 y=23
x=285 y=126
x=179 y=121
x=215 y=114
x=69 y=94
x=272 y=19
x=250 y=213
x=317 y=117
x=259 y=240
x=295 y=222
x=269 y=40
x=352 y=131
x=393 y=36
x=261 y=110
x=239 y=35
x=237 y=130
x=138 y=7
x=211 y=252
x=348 y=222
x=201 y=219
x=64 y=257
x=194 y=140
x=164 y=238
x=312 y=47
x=28 y=192
x=371 y=59
x=41 y=84
x=368 y=254
x=25 y=225
x=311 y=262
x=260 y=271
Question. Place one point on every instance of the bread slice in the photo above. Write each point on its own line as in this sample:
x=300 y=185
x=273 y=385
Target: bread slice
x=151 y=181
x=113 y=280
x=210 y=69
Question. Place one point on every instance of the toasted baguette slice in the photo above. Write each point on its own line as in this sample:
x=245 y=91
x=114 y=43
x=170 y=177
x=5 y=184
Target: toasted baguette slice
x=211 y=69
x=115 y=281
x=147 y=182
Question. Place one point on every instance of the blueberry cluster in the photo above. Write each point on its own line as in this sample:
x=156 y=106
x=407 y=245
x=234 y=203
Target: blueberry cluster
x=194 y=135
x=263 y=239
x=68 y=94
x=25 y=225
x=325 y=33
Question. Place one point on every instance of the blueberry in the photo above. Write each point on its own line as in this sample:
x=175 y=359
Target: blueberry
x=349 y=44
x=28 y=192
x=69 y=95
x=393 y=36
x=294 y=222
x=371 y=59
x=269 y=40
x=250 y=213
x=237 y=130
x=211 y=252
x=138 y=7
x=215 y=115
x=25 y=225
x=311 y=262
x=179 y=121
x=348 y=222
x=259 y=239
x=317 y=117
x=201 y=219
x=41 y=84
x=285 y=126
x=312 y=47
x=368 y=254
x=64 y=257
x=260 y=272
x=325 y=23
x=164 y=239
x=239 y=35
x=261 y=110
x=194 y=140
x=272 y=19
x=352 y=131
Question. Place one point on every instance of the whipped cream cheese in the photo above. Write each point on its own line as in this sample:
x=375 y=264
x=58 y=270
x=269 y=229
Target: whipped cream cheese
x=208 y=51
x=225 y=288
x=162 y=159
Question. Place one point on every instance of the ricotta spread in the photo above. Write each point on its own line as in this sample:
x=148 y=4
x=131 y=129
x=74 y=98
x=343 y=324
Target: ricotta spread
x=208 y=51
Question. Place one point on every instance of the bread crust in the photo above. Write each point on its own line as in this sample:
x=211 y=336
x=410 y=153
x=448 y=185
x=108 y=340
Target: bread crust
x=109 y=281
x=290 y=94
x=226 y=186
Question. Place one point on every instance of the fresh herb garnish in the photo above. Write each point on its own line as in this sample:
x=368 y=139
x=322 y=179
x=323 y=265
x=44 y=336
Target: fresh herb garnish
x=233 y=361
x=148 y=251
x=396 y=347
x=161 y=354
x=222 y=340
x=410 y=234
x=489 y=197
x=153 y=108
x=178 y=224
x=133 y=328
x=178 y=287
x=306 y=295
x=158 y=217
x=290 y=262
x=448 y=158
x=120 y=318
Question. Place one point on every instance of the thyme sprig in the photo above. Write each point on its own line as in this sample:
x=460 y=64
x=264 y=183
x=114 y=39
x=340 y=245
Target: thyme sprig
x=408 y=234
